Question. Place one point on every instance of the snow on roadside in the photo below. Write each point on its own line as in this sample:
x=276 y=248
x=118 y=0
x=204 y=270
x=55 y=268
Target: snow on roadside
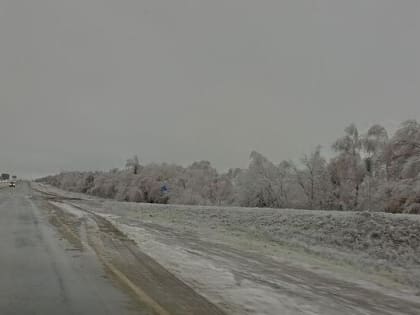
x=388 y=243
x=216 y=280
x=185 y=241
x=211 y=278
x=66 y=207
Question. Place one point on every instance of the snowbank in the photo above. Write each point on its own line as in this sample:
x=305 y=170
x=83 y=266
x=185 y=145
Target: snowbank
x=389 y=243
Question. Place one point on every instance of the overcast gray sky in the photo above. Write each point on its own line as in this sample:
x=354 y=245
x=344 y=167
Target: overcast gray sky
x=86 y=83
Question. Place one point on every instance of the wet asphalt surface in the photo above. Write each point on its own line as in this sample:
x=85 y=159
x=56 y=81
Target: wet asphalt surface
x=42 y=273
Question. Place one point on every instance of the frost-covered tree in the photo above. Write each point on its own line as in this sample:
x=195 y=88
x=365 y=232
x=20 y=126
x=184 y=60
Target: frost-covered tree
x=375 y=140
x=289 y=191
x=405 y=150
x=196 y=184
x=223 y=191
x=368 y=171
x=260 y=185
x=133 y=164
x=314 y=180
x=403 y=156
x=349 y=169
x=374 y=143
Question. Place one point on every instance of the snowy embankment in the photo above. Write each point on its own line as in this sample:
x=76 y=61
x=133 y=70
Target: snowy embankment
x=367 y=240
x=270 y=261
x=372 y=242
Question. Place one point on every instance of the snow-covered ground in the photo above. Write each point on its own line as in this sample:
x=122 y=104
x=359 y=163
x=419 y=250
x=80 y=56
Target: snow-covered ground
x=262 y=261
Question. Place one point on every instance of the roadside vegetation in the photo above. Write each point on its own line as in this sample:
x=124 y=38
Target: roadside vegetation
x=369 y=171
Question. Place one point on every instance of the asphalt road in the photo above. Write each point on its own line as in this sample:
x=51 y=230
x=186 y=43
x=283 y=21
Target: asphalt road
x=42 y=273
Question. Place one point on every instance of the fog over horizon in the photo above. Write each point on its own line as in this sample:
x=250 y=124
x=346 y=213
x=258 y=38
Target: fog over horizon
x=86 y=84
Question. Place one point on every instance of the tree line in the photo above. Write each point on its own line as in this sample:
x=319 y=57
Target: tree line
x=368 y=171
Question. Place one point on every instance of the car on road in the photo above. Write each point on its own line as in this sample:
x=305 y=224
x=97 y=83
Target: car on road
x=12 y=184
